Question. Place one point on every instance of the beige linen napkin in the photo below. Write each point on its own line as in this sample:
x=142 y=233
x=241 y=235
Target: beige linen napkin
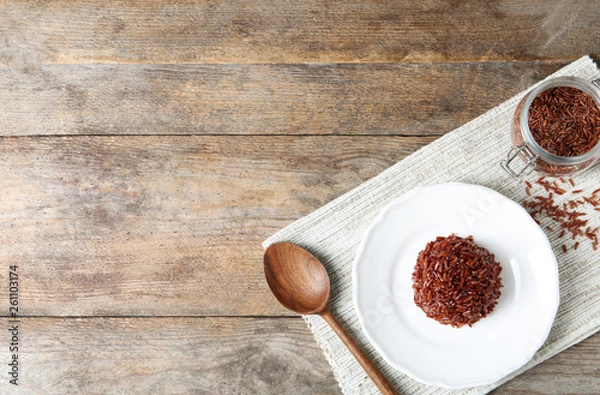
x=469 y=154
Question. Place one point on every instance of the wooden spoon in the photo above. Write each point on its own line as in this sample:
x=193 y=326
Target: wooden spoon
x=300 y=283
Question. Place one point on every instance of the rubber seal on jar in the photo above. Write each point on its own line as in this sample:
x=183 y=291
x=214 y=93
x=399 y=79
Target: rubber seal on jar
x=529 y=157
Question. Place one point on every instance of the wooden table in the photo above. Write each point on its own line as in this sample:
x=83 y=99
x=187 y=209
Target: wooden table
x=149 y=147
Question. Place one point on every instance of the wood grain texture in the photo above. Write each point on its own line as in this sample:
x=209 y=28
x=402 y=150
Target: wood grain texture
x=273 y=31
x=418 y=99
x=169 y=356
x=149 y=147
x=195 y=355
x=167 y=225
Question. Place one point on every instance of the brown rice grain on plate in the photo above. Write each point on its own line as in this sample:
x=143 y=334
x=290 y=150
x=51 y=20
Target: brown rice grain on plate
x=455 y=281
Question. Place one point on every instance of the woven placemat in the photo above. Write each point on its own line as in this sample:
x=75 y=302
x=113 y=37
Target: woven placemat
x=469 y=154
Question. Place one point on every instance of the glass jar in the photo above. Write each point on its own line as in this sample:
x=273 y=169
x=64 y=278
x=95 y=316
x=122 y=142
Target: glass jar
x=532 y=156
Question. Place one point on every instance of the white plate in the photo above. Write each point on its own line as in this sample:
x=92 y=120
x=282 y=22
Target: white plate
x=439 y=354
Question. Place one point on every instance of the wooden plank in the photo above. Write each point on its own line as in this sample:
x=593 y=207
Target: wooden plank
x=165 y=226
x=271 y=31
x=218 y=356
x=167 y=356
x=389 y=99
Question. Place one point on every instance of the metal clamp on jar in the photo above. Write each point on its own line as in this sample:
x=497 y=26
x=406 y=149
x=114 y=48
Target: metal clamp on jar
x=532 y=155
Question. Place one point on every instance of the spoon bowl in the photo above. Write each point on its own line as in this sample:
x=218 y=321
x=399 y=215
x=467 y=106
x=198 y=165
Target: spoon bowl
x=300 y=283
x=297 y=279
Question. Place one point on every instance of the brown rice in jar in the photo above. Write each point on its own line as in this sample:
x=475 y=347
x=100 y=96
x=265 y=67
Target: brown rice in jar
x=555 y=129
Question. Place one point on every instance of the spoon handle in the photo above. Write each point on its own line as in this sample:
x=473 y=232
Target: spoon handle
x=363 y=359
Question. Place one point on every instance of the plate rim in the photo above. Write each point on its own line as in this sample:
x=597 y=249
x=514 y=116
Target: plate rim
x=472 y=383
